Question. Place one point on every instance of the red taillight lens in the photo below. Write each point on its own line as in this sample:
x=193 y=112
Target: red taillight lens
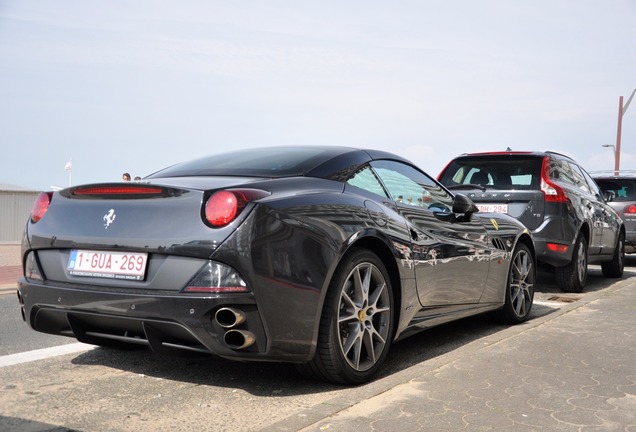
x=40 y=206
x=224 y=206
x=551 y=191
x=221 y=208
x=558 y=248
x=630 y=210
x=117 y=190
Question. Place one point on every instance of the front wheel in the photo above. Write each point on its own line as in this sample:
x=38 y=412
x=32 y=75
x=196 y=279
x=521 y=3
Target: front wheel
x=520 y=286
x=573 y=276
x=356 y=326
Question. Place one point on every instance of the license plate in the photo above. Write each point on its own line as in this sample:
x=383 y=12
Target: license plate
x=102 y=264
x=493 y=208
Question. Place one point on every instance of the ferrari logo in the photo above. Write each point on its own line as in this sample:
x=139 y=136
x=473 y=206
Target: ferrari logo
x=362 y=315
x=109 y=218
x=495 y=224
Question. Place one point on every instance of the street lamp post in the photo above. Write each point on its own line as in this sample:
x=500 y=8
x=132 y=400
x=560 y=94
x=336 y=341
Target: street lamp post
x=614 y=149
x=621 y=112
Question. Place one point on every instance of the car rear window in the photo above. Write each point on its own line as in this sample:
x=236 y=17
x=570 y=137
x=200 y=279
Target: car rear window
x=499 y=171
x=624 y=189
x=259 y=162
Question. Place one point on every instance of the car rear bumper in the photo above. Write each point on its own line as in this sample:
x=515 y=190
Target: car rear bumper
x=554 y=230
x=167 y=323
x=555 y=259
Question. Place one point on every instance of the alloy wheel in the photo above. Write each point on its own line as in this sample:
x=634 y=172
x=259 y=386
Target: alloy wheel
x=364 y=314
x=522 y=283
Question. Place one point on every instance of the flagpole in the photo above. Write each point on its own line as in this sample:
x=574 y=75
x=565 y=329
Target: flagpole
x=69 y=167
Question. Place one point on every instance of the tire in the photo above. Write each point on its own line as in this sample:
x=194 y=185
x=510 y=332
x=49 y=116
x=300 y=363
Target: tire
x=356 y=326
x=520 y=286
x=615 y=267
x=573 y=276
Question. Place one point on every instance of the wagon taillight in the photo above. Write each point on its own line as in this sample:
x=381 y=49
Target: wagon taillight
x=551 y=191
x=630 y=210
x=224 y=206
x=40 y=206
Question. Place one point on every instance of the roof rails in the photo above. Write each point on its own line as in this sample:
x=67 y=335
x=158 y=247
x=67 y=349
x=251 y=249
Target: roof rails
x=613 y=173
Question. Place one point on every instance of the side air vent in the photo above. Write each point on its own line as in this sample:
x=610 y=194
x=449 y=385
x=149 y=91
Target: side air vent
x=499 y=244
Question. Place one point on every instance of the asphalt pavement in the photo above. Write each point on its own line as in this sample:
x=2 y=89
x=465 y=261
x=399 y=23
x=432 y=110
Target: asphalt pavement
x=573 y=369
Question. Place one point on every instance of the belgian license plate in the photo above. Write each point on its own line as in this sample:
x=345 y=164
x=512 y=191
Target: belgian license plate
x=104 y=264
x=493 y=208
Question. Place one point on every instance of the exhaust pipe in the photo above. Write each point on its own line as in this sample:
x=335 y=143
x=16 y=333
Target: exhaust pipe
x=239 y=339
x=229 y=317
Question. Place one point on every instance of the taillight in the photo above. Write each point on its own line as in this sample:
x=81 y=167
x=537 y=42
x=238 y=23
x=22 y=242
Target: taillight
x=630 y=210
x=117 y=190
x=40 y=206
x=551 y=191
x=224 y=206
x=556 y=247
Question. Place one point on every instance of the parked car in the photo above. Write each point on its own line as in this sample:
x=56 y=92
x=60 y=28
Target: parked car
x=318 y=256
x=620 y=189
x=554 y=197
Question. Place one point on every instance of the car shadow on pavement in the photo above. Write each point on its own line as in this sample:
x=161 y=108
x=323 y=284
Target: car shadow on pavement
x=259 y=378
x=19 y=424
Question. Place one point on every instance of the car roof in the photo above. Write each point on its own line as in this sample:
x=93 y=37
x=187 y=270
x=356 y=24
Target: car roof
x=518 y=153
x=280 y=161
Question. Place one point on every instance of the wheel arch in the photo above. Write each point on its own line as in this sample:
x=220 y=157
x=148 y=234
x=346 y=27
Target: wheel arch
x=525 y=239
x=380 y=248
x=585 y=230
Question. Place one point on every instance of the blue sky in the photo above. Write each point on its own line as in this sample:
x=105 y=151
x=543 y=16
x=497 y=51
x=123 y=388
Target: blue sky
x=137 y=85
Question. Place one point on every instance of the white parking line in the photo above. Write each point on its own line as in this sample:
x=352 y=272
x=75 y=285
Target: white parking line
x=40 y=354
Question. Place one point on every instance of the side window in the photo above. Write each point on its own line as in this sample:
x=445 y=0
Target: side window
x=578 y=178
x=563 y=171
x=596 y=190
x=366 y=179
x=409 y=186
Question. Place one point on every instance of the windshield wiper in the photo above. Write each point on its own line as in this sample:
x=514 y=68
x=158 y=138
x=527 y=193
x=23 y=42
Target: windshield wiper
x=467 y=186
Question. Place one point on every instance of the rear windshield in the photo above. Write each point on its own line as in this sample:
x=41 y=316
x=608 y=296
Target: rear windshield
x=624 y=189
x=501 y=172
x=264 y=162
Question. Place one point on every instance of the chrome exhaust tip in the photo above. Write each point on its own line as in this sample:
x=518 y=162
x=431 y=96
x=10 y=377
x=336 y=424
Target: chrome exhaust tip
x=239 y=339
x=228 y=317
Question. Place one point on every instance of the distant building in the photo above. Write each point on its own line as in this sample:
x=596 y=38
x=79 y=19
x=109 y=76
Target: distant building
x=15 y=206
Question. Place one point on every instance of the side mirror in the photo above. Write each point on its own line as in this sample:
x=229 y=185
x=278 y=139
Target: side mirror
x=609 y=195
x=463 y=204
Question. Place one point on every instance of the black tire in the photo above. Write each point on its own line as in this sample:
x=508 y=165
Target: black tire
x=572 y=277
x=522 y=276
x=356 y=326
x=615 y=267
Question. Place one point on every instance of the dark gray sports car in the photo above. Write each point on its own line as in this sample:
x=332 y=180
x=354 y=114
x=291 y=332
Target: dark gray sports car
x=318 y=256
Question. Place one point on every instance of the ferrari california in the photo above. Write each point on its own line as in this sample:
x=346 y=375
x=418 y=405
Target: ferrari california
x=317 y=256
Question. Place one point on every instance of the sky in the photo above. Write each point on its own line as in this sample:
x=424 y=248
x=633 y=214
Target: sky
x=137 y=85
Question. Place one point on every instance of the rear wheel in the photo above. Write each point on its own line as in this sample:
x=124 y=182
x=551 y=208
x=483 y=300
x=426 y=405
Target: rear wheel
x=615 y=267
x=572 y=277
x=356 y=326
x=520 y=287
